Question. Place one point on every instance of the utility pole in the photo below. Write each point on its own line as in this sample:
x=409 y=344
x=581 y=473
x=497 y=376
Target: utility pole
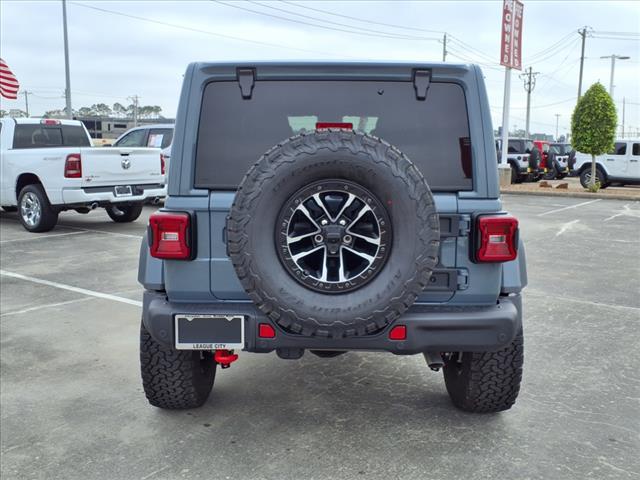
x=67 y=92
x=623 y=105
x=613 y=68
x=557 y=118
x=583 y=34
x=529 y=78
x=26 y=103
x=444 y=47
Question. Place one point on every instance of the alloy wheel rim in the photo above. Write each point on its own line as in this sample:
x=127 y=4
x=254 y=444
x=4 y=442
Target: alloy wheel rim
x=30 y=209
x=334 y=236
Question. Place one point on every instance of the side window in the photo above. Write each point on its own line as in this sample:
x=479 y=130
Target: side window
x=620 y=148
x=514 y=146
x=132 y=139
x=160 y=137
x=636 y=150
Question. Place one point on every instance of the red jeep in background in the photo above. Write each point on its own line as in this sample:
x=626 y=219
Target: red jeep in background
x=544 y=148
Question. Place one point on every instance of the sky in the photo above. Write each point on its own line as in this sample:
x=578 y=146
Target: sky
x=123 y=48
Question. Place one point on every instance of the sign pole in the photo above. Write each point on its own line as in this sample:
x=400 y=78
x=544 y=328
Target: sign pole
x=505 y=118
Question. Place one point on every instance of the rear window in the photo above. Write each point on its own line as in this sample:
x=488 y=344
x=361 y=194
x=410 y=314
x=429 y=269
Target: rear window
x=40 y=136
x=234 y=133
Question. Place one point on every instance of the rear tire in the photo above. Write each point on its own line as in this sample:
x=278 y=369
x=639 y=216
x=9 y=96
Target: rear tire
x=485 y=382
x=34 y=210
x=515 y=178
x=124 y=214
x=174 y=379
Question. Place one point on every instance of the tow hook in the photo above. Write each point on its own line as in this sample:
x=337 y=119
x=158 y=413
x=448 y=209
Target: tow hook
x=225 y=357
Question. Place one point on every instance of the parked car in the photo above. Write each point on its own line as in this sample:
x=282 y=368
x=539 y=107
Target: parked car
x=544 y=149
x=290 y=227
x=558 y=161
x=158 y=135
x=622 y=165
x=48 y=166
x=523 y=158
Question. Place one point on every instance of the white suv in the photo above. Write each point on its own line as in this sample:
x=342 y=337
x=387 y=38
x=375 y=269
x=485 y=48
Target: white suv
x=622 y=165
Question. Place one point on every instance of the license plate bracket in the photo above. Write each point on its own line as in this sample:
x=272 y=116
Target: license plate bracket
x=123 y=191
x=209 y=332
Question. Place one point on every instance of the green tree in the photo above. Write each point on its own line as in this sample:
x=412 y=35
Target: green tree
x=593 y=125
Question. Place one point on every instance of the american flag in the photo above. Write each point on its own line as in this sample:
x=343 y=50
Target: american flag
x=8 y=82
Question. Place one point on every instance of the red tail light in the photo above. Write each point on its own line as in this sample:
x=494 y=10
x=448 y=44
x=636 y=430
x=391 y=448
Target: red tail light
x=169 y=235
x=321 y=125
x=266 y=331
x=497 y=239
x=73 y=166
x=163 y=164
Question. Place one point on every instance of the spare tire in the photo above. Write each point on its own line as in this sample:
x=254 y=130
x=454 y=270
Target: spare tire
x=333 y=233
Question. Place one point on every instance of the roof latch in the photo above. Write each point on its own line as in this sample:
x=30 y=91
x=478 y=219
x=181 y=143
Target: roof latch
x=246 y=80
x=421 y=81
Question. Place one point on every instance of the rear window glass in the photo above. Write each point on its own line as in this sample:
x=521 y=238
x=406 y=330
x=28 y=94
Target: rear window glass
x=234 y=133
x=41 y=136
x=160 y=137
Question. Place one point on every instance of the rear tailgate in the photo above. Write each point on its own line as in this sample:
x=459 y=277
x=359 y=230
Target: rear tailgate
x=108 y=166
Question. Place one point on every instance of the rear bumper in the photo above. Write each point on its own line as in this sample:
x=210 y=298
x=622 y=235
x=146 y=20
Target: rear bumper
x=105 y=195
x=429 y=328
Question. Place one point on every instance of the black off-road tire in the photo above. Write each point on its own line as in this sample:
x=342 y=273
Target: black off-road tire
x=124 y=213
x=485 y=382
x=348 y=156
x=515 y=177
x=174 y=379
x=48 y=215
x=585 y=177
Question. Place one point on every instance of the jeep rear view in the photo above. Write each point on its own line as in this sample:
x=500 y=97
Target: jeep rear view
x=322 y=208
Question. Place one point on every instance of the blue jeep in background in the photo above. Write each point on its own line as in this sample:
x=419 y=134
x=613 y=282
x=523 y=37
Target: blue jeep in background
x=331 y=207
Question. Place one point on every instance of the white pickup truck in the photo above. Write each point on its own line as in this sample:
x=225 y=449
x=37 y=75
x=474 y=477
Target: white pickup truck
x=621 y=166
x=48 y=166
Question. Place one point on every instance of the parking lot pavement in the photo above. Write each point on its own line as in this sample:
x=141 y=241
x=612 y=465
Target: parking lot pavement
x=72 y=404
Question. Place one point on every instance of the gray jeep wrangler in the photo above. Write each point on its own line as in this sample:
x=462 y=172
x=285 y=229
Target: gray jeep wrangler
x=331 y=207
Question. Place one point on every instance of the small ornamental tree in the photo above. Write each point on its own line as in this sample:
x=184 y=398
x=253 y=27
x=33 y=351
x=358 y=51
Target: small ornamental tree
x=593 y=125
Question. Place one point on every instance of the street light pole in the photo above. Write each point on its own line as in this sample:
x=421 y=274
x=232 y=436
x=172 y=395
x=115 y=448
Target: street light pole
x=557 y=118
x=613 y=68
x=67 y=92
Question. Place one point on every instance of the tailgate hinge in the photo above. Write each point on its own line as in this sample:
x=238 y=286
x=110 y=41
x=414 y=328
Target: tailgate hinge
x=246 y=80
x=421 y=82
x=463 y=279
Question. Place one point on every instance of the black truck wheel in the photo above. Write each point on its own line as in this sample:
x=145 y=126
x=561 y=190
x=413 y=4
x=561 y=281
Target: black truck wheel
x=485 y=382
x=174 y=379
x=333 y=233
x=124 y=213
x=34 y=210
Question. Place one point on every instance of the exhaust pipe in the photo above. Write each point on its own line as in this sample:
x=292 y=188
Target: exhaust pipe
x=434 y=360
x=94 y=205
x=156 y=201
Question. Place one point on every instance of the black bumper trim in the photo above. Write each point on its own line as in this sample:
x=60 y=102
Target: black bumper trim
x=429 y=328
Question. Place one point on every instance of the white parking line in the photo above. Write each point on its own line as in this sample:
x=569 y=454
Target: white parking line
x=64 y=225
x=569 y=207
x=40 y=307
x=38 y=237
x=62 y=286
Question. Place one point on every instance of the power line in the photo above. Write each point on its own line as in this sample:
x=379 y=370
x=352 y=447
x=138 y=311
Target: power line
x=362 y=20
x=378 y=32
x=324 y=27
x=196 y=30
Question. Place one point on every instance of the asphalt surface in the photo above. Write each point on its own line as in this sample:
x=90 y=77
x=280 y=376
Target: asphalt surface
x=72 y=405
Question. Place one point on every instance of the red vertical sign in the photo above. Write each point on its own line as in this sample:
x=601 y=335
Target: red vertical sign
x=511 y=39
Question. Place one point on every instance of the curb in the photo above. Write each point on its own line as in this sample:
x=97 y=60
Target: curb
x=552 y=192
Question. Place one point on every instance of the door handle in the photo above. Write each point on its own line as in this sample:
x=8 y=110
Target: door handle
x=610 y=159
x=633 y=160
